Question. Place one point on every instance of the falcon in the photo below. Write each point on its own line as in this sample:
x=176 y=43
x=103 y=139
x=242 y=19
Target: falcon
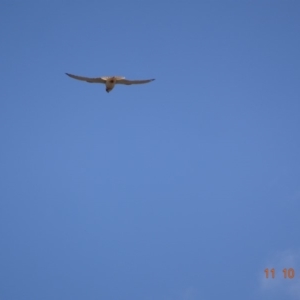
x=109 y=81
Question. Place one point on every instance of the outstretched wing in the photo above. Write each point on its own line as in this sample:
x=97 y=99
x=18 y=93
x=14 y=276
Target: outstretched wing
x=128 y=82
x=88 y=79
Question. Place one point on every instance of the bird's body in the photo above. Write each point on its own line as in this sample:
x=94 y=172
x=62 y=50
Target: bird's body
x=110 y=81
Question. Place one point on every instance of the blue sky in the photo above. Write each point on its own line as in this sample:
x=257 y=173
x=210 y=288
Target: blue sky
x=186 y=188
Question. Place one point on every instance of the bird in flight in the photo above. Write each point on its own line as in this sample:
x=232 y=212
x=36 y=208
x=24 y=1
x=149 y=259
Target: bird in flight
x=109 y=81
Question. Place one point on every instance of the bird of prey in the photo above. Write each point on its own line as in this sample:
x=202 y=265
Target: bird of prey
x=109 y=81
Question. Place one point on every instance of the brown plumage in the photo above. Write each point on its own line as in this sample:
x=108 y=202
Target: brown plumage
x=109 y=81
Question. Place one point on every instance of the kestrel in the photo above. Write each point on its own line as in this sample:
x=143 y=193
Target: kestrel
x=110 y=81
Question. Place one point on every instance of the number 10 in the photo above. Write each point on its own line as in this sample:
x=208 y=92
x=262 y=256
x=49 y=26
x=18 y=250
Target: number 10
x=290 y=273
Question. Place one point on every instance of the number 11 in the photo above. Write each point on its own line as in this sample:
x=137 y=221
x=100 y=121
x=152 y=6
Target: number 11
x=272 y=272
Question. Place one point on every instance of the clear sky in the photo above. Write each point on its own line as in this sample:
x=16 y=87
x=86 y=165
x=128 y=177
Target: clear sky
x=186 y=188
